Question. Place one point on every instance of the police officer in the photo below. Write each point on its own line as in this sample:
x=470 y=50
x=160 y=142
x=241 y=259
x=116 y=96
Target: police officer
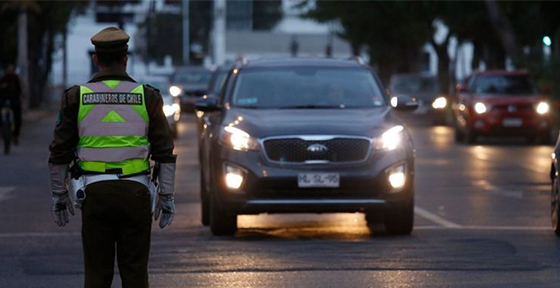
x=108 y=128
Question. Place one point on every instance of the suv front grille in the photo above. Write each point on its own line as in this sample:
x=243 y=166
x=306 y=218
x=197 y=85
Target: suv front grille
x=514 y=108
x=299 y=150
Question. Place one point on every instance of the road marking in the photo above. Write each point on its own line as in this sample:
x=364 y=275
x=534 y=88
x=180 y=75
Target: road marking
x=488 y=187
x=420 y=227
x=37 y=234
x=5 y=192
x=500 y=228
x=435 y=218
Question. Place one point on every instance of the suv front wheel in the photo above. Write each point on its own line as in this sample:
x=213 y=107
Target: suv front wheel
x=399 y=219
x=221 y=222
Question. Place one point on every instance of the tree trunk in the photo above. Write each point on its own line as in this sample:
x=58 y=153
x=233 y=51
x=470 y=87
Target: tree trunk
x=504 y=29
x=478 y=52
x=443 y=65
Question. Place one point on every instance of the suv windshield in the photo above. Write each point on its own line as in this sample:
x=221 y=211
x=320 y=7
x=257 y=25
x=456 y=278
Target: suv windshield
x=217 y=82
x=414 y=85
x=193 y=77
x=504 y=84
x=303 y=87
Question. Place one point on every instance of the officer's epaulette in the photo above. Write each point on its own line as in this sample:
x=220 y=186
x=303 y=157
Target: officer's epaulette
x=70 y=88
x=150 y=86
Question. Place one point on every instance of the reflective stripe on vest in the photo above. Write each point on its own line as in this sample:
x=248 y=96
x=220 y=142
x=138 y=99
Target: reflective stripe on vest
x=113 y=127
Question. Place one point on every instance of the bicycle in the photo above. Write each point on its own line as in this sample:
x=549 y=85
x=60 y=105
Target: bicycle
x=6 y=120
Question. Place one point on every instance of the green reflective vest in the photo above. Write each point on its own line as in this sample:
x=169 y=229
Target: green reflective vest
x=113 y=127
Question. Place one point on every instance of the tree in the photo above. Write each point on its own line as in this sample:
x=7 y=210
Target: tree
x=46 y=21
x=393 y=32
x=266 y=14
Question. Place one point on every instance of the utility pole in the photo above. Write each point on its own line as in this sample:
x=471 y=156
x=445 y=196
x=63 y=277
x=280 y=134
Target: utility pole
x=64 y=59
x=186 y=42
x=219 y=32
x=22 y=60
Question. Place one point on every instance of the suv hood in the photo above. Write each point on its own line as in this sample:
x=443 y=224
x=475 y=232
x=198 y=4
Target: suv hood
x=261 y=123
x=508 y=99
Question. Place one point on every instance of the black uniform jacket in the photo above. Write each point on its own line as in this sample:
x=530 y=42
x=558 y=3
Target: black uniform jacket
x=66 y=137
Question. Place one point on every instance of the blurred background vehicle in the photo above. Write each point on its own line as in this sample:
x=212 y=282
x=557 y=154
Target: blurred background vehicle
x=501 y=103
x=189 y=84
x=423 y=87
x=171 y=104
x=217 y=80
x=305 y=135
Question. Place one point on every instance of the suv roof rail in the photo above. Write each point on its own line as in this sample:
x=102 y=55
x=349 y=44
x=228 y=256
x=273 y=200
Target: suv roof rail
x=241 y=60
x=358 y=59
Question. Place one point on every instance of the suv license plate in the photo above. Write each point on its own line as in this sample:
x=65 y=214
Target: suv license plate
x=512 y=122
x=312 y=180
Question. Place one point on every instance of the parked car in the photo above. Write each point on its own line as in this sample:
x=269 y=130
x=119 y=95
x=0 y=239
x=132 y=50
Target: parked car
x=424 y=87
x=189 y=83
x=171 y=105
x=305 y=135
x=501 y=103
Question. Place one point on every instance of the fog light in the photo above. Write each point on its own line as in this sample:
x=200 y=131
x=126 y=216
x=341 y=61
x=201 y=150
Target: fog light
x=234 y=177
x=397 y=178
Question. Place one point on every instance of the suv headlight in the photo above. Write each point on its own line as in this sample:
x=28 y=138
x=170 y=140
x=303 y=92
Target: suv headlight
x=169 y=110
x=439 y=103
x=480 y=108
x=238 y=139
x=390 y=139
x=175 y=91
x=542 y=108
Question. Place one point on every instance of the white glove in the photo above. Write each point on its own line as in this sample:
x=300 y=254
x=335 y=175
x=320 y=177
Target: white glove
x=166 y=206
x=61 y=205
x=165 y=201
x=61 y=200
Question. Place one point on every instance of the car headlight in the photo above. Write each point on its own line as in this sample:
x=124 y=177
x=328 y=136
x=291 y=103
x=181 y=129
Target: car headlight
x=480 y=108
x=439 y=103
x=169 y=110
x=175 y=91
x=394 y=101
x=238 y=139
x=543 y=108
x=390 y=139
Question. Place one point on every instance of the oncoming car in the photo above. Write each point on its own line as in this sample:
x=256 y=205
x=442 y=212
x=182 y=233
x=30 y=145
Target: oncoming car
x=501 y=103
x=425 y=88
x=305 y=136
x=189 y=84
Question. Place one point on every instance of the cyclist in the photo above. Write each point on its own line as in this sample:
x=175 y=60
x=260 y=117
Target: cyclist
x=10 y=87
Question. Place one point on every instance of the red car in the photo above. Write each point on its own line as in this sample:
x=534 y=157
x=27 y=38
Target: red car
x=501 y=103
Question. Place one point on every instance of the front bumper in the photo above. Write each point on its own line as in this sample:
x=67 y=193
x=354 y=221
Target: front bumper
x=494 y=124
x=273 y=188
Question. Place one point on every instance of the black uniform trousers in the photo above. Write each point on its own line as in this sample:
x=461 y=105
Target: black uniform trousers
x=116 y=216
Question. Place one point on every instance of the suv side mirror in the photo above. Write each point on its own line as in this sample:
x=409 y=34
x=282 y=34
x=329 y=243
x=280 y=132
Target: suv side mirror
x=404 y=103
x=207 y=104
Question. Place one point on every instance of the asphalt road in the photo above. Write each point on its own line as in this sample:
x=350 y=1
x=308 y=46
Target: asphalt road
x=482 y=220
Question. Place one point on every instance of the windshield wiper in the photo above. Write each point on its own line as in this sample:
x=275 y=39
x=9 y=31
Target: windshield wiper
x=248 y=107
x=309 y=107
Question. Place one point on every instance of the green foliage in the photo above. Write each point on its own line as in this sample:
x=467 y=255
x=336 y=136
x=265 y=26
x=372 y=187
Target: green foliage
x=394 y=32
x=266 y=14
x=45 y=21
